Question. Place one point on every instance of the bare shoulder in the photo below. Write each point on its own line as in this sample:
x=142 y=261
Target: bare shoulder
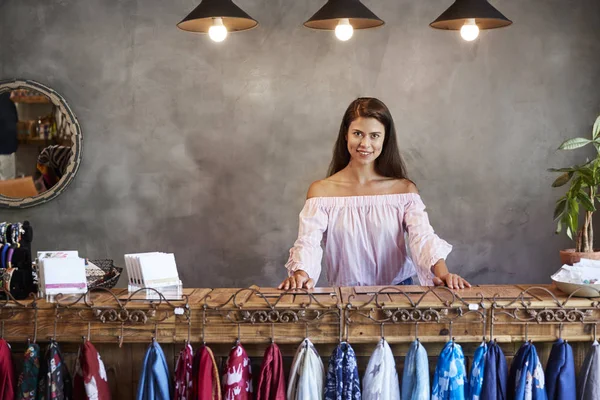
x=320 y=188
x=404 y=186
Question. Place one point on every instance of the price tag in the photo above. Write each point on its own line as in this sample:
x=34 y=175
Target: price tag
x=473 y=306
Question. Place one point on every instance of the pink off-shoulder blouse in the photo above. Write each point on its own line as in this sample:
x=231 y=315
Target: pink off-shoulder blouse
x=364 y=240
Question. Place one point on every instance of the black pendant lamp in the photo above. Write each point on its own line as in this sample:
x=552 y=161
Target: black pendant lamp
x=469 y=16
x=217 y=17
x=343 y=16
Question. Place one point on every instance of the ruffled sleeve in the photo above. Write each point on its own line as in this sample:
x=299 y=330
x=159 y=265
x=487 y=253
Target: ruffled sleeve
x=307 y=252
x=426 y=247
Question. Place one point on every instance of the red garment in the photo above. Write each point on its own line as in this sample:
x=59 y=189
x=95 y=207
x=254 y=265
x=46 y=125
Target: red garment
x=237 y=381
x=183 y=374
x=271 y=382
x=90 y=381
x=7 y=372
x=206 y=385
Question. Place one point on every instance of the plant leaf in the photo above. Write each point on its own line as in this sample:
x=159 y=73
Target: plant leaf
x=561 y=180
x=558 y=227
x=585 y=201
x=596 y=128
x=560 y=208
x=574 y=143
x=568 y=169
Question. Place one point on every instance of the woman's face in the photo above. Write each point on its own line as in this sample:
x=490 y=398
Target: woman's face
x=365 y=140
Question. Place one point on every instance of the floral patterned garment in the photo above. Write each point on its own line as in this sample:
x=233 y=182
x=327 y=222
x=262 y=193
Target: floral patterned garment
x=526 y=380
x=90 y=381
x=7 y=384
x=450 y=375
x=342 y=381
x=183 y=374
x=55 y=381
x=237 y=381
x=477 y=371
x=28 y=380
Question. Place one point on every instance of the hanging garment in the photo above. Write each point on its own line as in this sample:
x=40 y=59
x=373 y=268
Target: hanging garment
x=55 y=381
x=237 y=381
x=495 y=374
x=271 y=381
x=415 y=379
x=560 y=372
x=183 y=373
x=205 y=381
x=342 y=375
x=7 y=372
x=28 y=380
x=154 y=379
x=90 y=381
x=380 y=381
x=526 y=379
x=588 y=381
x=477 y=371
x=450 y=377
x=307 y=374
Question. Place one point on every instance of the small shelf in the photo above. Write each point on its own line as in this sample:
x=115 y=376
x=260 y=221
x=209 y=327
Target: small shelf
x=30 y=99
x=33 y=141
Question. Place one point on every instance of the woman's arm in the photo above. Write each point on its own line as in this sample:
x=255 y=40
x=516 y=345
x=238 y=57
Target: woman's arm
x=444 y=277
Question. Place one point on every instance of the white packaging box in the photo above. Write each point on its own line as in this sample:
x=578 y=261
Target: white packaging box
x=62 y=275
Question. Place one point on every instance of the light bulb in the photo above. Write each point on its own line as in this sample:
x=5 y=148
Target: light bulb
x=469 y=31
x=217 y=31
x=344 y=30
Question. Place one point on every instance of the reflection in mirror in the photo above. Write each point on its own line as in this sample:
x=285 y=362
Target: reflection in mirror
x=40 y=144
x=35 y=147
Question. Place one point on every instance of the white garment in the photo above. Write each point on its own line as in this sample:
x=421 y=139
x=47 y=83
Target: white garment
x=381 y=378
x=307 y=374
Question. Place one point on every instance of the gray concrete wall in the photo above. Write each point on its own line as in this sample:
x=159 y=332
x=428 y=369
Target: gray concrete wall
x=207 y=150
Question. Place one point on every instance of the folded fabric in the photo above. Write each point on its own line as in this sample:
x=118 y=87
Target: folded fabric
x=271 y=381
x=237 y=382
x=380 y=381
x=205 y=383
x=154 y=379
x=560 y=372
x=495 y=374
x=307 y=374
x=28 y=380
x=415 y=379
x=183 y=373
x=90 y=381
x=55 y=380
x=588 y=381
x=7 y=373
x=342 y=381
x=477 y=371
x=526 y=379
x=450 y=377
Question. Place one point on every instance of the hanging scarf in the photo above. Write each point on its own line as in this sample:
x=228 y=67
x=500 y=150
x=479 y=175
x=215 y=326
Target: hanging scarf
x=90 y=381
x=237 y=382
x=380 y=381
x=306 y=375
x=205 y=381
x=7 y=374
x=588 y=381
x=477 y=372
x=342 y=375
x=495 y=374
x=154 y=379
x=271 y=382
x=449 y=379
x=55 y=381
x=526 y=380
x=183 y=374
x=28 y=380
x=560 y=372
x=415 y=379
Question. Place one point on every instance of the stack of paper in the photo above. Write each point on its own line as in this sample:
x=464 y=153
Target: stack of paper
x=155 y=270
x=60 y=272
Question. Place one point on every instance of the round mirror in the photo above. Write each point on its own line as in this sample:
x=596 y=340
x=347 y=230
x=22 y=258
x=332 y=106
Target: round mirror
x=40 y=144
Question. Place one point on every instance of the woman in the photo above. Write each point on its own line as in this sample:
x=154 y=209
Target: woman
x=366 y=205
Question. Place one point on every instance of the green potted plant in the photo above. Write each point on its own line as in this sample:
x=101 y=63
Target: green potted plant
x=582 y=195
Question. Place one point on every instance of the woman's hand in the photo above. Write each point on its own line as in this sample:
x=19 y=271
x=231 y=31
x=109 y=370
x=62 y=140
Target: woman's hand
x=300 y=279
x=453 y=281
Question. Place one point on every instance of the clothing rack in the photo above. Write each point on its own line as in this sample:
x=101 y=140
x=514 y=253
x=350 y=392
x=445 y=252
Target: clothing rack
x=508 y=313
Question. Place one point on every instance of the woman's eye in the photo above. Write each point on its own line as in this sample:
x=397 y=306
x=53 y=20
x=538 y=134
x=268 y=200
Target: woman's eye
x=357 y=134
x=375 y=136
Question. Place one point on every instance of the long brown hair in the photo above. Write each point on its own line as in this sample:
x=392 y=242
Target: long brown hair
x=389 y=163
